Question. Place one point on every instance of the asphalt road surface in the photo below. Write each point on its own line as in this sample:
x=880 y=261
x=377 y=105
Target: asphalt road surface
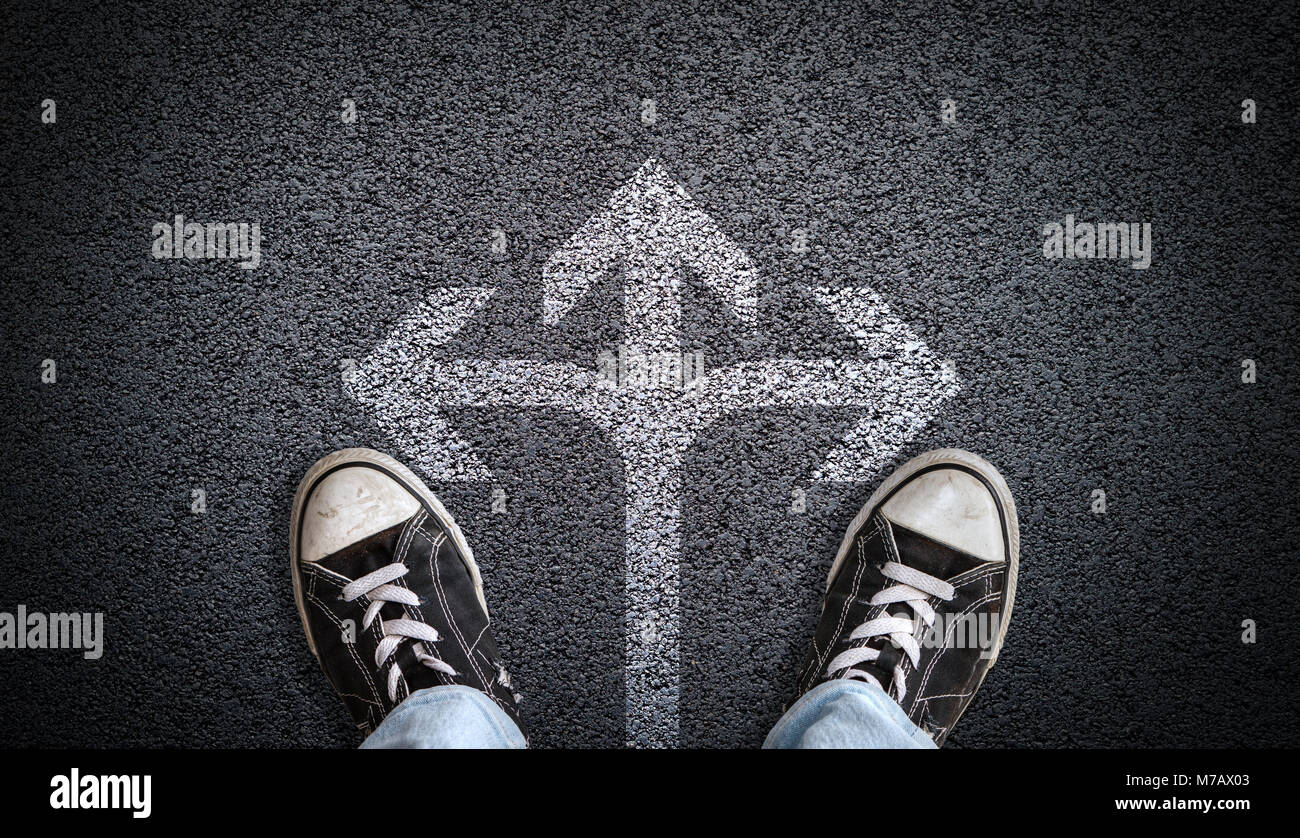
x=177 y=375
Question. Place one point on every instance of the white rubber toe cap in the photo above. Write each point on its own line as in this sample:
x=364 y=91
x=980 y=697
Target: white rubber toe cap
x=952 y=507
x=351 y=504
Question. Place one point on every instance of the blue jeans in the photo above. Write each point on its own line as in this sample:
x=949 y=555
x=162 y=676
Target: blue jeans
x=836 y=714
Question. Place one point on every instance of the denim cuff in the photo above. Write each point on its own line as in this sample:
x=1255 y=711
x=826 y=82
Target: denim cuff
x=447 y=717
x=846 y=713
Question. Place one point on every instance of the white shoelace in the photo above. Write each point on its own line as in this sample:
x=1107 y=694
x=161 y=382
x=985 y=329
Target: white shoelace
x=378 y=586
x=914 y=589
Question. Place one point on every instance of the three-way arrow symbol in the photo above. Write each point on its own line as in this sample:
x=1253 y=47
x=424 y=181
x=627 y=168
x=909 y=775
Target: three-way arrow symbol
x=652 y=229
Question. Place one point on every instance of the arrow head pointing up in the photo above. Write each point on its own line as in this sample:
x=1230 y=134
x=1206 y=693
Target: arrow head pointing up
x=651 y=225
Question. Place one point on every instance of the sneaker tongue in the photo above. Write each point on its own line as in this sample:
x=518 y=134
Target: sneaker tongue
x=877 y=552
x=368 y=554
x=929 y=556
x=924 y=554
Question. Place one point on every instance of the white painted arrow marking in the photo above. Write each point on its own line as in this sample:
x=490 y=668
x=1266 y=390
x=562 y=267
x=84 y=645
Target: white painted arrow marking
x=437 y=450
x=876 y=437
x=653 y=230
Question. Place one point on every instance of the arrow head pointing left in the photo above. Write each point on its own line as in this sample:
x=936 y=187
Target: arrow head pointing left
x=384 y=382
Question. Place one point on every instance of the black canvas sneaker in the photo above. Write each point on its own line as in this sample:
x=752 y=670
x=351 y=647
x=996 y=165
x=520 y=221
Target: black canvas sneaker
x=387 y=588
x=920 y=594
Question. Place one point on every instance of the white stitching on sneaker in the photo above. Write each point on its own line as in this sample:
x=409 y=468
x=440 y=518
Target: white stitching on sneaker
x=914 y=588
x=961 y=580
x=436 y=575
x=413 y=611
x=811 y=675
x=947 y=638
x=376 y=586
x=312 y=571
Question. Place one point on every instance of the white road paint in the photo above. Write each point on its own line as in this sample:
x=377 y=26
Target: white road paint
x=430 y=443
x=653 y=230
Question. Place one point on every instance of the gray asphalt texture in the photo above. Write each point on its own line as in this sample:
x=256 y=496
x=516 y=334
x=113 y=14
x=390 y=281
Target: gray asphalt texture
x=1075 y=375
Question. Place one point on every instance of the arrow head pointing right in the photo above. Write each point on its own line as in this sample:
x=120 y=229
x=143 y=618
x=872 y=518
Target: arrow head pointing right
x=922 y=383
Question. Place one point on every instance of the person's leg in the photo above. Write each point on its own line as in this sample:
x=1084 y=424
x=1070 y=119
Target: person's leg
x=393 y=607
x=447 y=717
x=845 y=713
x=917 y=605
